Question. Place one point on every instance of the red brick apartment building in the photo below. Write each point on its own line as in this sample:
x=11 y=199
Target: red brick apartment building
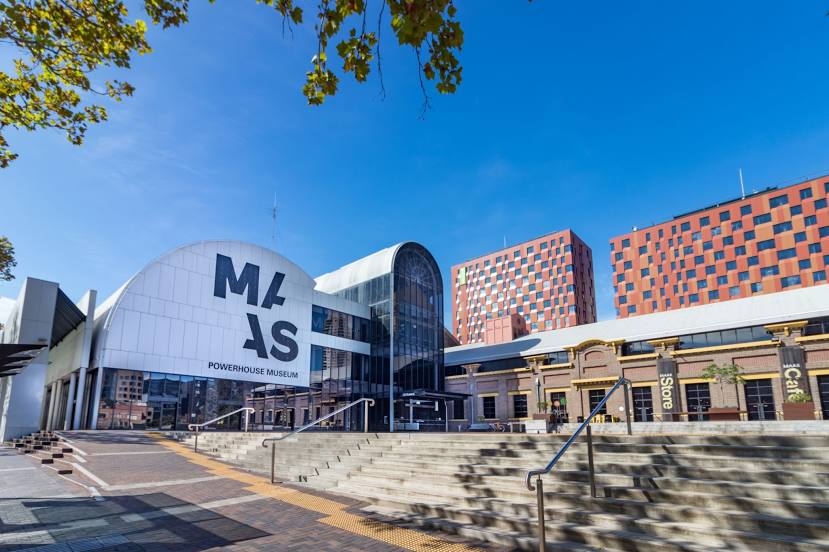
x=768 y=241
x=541 y=284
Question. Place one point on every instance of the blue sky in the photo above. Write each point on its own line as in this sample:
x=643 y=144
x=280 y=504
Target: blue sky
x=595 y=116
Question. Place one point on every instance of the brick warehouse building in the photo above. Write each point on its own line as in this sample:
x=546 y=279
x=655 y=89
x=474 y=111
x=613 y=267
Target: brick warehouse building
x=768 y=241
x=541 y=284
x=577 y=366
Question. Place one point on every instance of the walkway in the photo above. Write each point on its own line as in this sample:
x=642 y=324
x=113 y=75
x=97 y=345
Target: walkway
x=136 y=491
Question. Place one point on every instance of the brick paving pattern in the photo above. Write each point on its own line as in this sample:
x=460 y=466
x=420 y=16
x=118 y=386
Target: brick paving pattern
x=120 y=498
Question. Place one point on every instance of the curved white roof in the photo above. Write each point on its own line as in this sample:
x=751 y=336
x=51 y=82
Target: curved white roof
x=783 y=306
x=146 y=282
x=361 y=270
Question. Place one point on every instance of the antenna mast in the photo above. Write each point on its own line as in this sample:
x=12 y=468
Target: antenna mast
x=742 y=186
x=273 y=221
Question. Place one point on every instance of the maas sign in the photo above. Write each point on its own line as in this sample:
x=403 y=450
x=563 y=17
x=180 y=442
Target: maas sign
x=215 y=309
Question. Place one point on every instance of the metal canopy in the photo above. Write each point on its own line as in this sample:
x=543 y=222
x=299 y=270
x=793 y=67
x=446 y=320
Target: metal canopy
x=428 y=395
x=67 y=318
x=15 y=357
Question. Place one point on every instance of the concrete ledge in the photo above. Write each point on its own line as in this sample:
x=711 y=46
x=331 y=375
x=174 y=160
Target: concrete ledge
x=809 y=427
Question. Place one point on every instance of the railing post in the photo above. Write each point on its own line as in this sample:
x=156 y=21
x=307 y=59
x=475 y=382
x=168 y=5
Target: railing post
x=542 y=530
x=628 y=412
x=273 y=461
x=247 y=417
x=590 y=473
x=365 y=417
x=196 y=445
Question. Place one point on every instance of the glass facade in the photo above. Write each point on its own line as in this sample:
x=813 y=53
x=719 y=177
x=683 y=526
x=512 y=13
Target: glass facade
x=405 y=334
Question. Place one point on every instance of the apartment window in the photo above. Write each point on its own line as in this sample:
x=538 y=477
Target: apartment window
x=724 y=216
x=799 y=237
x=765 y=244
x=824 y=231
x=753 y=261
x=646 y=294
x=722 y=280
x=489 y=407
x=628 y=265
x=731 y=265
x=736 y=225
x=748 y=235
x=702 y=284
x=805 y=193
x=769 y=271
x=756 y=288
x=711 y=269
x=719 y=255
x=704 y=221
x=742 y=276
x=645 y=271
x=762 y=219
x=814 y=248
x=519 y=406
x=745 y=210
x=819 y=276
x=820 y=203
x=786 y=254
x=685 y=226
x=713 y=294
x=632 y=309
x=707 y=246
x=699 y=259
x=796 y=210
x=803 y=264
x=696 y=236
x=728 y=240
x=740 y=250
x=643 y=249
x=693 y=298
x=778 y=201
x=811 y=220
x=734 y=291
x=625 y=243
x=782 y=227
x=789 y=281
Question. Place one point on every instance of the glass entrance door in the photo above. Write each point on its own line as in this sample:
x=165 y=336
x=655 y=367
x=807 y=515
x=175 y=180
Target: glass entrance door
x=698 y=397
x=759 y=400
x=642 y=404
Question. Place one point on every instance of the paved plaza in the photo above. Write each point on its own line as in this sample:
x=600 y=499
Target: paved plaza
x=137 y=491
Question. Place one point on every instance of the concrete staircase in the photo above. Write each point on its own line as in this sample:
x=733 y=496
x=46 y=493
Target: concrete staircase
x=46 y=448
x=687 y=493
x=299 y=458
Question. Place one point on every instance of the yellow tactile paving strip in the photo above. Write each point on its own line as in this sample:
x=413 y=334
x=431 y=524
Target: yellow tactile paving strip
x=335 y=511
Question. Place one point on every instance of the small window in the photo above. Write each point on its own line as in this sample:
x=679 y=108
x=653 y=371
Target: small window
x=811 y=220
x=724 y=216
x=789 y=281
x=489 y=408
x=745 y=210
x=765 y=244
x=782 y=227
x=685 y=226
x=803 y=264
x=778 y=201
x=814 y=248
x=805 y=193
x=762 y=219
x=819 y=276
x=786 y=254
x=796 y=210
x=704 y=221
x=519 y=406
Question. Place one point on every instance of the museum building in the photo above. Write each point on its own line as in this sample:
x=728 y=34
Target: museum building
x=779 y=343
x=214 y=326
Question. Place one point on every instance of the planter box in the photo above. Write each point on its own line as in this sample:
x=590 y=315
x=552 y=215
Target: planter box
x=799 y=411
x=728 y=414
x=545 y=417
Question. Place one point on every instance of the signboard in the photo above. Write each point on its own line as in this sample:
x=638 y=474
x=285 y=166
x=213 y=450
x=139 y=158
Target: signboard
x=668 y=386
x=219 y=310
x=792 y=371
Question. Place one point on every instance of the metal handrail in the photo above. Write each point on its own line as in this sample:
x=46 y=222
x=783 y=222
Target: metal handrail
x=195 y=427
x=539 y=488
x=311 y=424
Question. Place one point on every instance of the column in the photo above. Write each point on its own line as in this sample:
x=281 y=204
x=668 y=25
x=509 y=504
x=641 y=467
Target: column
x=96 y=398
x=49 y=416
x=80 y=389
x=70 y=400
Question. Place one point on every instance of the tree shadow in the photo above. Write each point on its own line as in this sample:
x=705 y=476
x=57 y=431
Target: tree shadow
x=131 y=522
